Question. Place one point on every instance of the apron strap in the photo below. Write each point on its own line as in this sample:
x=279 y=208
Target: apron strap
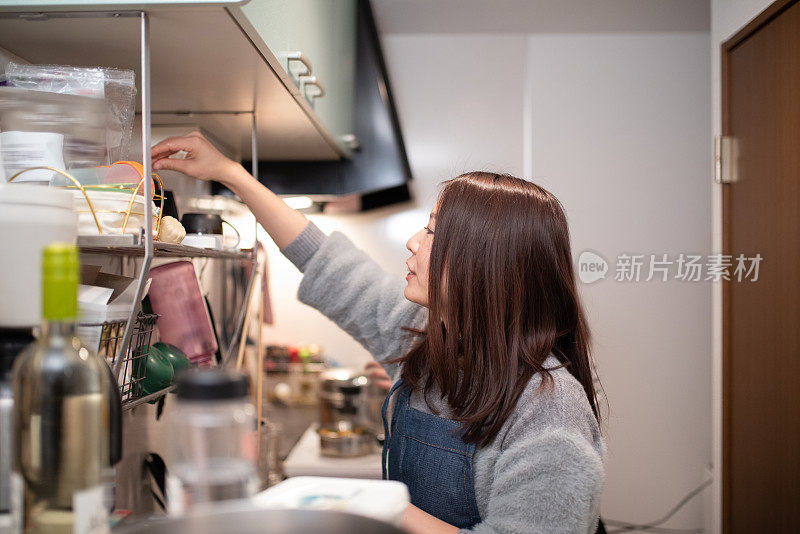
x=397 y=385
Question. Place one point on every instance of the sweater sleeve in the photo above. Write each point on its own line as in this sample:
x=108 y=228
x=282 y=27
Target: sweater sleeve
x=304 y=246
x=349 y=288
x=544 y=483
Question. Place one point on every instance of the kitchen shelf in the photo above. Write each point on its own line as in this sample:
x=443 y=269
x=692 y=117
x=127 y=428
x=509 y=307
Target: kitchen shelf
x=197 y=65
x=166 y=250
x=209 y=67
x=182 y=71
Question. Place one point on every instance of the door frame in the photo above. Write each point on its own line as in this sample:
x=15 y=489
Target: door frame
x=762 y=19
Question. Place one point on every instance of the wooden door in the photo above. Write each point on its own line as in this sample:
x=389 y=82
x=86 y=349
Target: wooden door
x=761 y=319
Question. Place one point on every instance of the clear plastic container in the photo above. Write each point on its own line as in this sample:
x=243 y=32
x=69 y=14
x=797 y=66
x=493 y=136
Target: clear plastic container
x=212 y=441
x=113 y=92
x=76 y=124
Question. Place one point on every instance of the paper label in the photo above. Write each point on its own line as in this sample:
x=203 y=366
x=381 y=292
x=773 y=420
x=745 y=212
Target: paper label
x=22 y=150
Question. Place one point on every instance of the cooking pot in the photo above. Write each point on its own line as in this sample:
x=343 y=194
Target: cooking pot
x=346 y=425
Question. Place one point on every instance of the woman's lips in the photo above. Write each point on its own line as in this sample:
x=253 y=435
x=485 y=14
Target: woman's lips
x=409 y=275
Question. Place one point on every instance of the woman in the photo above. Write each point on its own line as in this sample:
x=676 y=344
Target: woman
x=492 y=418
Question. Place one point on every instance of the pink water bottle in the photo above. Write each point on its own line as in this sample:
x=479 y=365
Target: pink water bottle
x=183 y=317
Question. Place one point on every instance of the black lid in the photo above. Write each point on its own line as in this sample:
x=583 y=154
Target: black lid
x=202 y=223
x=211 y=384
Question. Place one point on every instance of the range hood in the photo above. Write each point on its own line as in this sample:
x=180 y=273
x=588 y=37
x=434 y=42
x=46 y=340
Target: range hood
x=380 y=162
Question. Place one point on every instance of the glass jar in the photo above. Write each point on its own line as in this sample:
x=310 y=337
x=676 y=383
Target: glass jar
x=270 y=466
x=212 y=440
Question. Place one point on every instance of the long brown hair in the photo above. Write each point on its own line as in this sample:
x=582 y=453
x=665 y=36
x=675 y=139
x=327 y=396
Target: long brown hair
x=501 y=279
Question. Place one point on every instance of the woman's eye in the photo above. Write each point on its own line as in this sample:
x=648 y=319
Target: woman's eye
x=428 y=230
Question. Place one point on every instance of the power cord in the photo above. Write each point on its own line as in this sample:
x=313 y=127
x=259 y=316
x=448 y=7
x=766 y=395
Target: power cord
x=653 y=526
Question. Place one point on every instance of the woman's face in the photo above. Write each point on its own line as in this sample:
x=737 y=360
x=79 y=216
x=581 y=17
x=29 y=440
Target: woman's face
x=417 y=278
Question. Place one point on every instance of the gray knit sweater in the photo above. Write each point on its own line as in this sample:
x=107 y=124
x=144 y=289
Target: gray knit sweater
x=543 y=473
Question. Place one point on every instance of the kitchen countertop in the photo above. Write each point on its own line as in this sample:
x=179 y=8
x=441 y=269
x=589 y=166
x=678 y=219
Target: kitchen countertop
x=294 y=420
x=306 y=460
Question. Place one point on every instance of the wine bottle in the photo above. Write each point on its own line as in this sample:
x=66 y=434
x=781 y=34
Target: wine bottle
x=61 y=412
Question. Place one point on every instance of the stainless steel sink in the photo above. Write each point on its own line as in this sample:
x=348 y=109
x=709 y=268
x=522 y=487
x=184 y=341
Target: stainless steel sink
x=240 y=519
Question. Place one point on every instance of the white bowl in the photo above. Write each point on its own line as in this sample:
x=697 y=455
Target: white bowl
x=110 y=207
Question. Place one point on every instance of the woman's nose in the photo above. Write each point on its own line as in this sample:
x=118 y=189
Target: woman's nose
x=413 y=243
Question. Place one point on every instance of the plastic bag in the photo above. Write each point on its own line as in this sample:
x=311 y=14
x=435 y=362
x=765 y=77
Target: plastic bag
x=117 y=87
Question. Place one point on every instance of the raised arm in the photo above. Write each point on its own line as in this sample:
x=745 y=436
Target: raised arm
x=205 y=162
x=341 y=281
x=346 y=285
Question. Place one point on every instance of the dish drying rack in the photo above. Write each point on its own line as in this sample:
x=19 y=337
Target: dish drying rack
x=123 y=343
x=133 y=360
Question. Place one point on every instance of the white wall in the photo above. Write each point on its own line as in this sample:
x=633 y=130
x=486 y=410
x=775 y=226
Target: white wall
x=621 y=137
x=459 y=101
x=617 y=126
x=727 y=17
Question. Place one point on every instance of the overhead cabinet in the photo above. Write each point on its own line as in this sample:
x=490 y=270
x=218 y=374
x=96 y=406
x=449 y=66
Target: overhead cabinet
x=225 y=65
x=209 y=66
x=380 y=164
x=315 y=44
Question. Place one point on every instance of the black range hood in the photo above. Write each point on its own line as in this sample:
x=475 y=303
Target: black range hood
x=379 y=169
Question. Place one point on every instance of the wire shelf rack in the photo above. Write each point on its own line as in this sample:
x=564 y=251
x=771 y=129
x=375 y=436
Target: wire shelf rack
x=133 y=364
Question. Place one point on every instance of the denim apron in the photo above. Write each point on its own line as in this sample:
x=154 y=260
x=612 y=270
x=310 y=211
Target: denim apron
x=425 y=452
